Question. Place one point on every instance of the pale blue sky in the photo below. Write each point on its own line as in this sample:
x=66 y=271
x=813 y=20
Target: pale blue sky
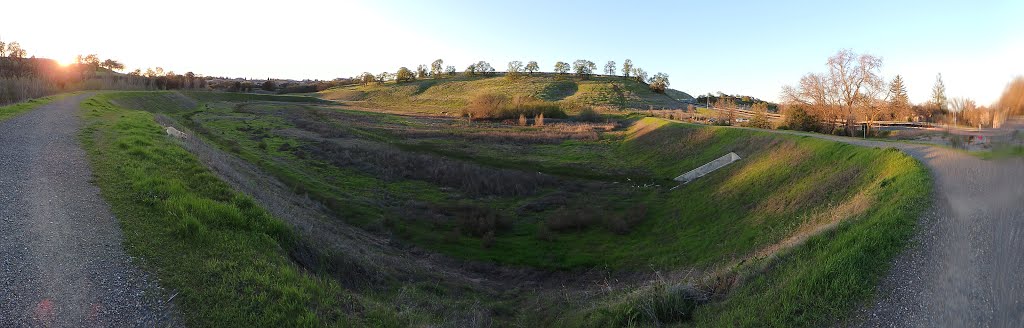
x=748 y=47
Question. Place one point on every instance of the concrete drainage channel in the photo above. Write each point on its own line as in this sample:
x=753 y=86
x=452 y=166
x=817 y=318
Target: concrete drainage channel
x=707 y=168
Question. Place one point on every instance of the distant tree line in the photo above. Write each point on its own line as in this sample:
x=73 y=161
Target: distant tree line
x=582 y=69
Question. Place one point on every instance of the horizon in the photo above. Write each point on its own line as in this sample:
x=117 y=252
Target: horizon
x=972 y=45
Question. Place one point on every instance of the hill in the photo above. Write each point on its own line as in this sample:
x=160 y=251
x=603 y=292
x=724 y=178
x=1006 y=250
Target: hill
x=454 y=93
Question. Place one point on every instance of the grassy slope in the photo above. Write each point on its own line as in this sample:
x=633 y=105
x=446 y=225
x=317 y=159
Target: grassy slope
x=811 y=285
x=11 y=111
x=223 y=254
x=451 y=94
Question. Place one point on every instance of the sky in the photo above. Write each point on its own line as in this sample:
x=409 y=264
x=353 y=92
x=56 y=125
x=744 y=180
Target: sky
x=736 y=47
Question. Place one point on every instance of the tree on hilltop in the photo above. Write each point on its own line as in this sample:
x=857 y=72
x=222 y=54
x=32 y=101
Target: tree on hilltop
x=514 y=68
x=404 y=75
x=584 y=68
x=532 y=67
x=561 y=68
x=609 y=68
x=627 y=68
x=366 y=78
x=436 y=68
x=659 y=82
x=421 y=72
x=484 y=67
x=112 y=65
x=639 y=75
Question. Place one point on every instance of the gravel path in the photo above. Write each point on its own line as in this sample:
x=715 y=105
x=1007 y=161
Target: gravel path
x=965 y=267
x=61 y=257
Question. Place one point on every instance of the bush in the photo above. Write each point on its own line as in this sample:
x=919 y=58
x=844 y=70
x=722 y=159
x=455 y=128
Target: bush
x=588 y=114
x=564 y=219
x=497 y=106
x=480 y=221
x=798 y=119
x=486 y=105
x=624 y=223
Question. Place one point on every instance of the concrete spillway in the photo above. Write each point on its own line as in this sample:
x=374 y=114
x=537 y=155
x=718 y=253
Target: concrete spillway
x=708 y=168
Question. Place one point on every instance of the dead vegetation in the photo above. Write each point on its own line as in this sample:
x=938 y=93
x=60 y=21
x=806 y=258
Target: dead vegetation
x=392 y=164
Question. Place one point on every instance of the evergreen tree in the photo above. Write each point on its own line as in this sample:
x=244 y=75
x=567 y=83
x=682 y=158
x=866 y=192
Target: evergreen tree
x=939 y=93
x=899 y=102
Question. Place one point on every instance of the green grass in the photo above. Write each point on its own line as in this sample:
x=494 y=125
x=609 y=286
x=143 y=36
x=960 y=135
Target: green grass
x=452 y=94
x=224 y=256
x=12 y=111
x=1000 y=152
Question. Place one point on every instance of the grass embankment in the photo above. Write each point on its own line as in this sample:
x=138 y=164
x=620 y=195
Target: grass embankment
x=11 y=111
x=224 y=256
x=451 y=94
x=814 y=283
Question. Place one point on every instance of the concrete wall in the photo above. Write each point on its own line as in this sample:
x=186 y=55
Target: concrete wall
x=708 y=168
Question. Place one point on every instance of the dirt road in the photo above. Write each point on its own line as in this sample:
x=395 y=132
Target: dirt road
x=965 y=267
x=61 y=257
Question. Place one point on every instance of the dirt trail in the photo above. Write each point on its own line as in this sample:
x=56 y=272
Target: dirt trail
x=965 y=267
x=61 y=257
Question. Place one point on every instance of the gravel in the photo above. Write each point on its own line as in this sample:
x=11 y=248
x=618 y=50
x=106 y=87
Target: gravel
x=61 y=257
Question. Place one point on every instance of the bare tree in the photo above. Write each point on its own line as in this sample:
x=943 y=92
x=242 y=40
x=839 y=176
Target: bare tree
x=514 y=68
x=959 y=106
x=1012 y=100
x=450 y=70
x=483 y=67
x=627 y=68
x=850 y=87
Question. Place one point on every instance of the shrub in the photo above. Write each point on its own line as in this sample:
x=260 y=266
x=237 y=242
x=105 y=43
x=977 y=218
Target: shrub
x=497 y=106
x=624 y=223
x=564 y=219
x=588 y=114
x=488 y=240
x=486 y=105
x=581 y=218
x=799 y=119
x=480 y=221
